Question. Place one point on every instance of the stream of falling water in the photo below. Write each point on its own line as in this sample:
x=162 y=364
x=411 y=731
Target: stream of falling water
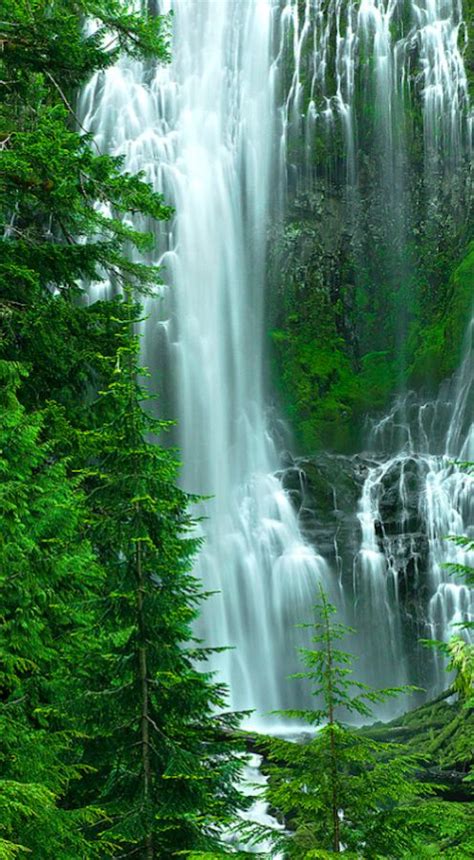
x=203 y=131
x=331 y=44
x=211 y=130
x=415 y=457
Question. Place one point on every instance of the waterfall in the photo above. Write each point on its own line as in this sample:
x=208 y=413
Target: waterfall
x=418 y=449
x=203 y=131
x=390 y=50
x=216 y=131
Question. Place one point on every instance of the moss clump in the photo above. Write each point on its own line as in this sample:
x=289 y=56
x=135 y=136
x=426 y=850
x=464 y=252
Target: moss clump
x=327 y=388
x=324 y=394
x=436 y=348
x=318 y=384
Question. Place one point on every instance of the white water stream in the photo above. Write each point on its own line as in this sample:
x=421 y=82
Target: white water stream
x=211 y=131
x=334 y=43
x=203 y=131
x=417 y=452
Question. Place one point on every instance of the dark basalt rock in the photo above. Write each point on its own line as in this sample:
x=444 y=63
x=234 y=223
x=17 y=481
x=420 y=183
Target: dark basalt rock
x=326 y=491
x=399 y=496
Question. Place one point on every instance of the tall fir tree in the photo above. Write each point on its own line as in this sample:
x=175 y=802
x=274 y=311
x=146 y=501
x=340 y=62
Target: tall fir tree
x=342 y=791
x=165 y=765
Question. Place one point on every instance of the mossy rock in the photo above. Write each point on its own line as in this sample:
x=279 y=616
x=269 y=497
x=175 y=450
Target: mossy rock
x=439 y=346
x=441 y=731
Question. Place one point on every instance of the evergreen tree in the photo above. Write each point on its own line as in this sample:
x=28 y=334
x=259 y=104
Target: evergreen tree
x=162 y=762
x=47 y=575
x=54 y=238
x=341 y=790
x=165 y=765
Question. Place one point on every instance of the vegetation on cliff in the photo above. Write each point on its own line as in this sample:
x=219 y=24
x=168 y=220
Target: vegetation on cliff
x=371 y=267
x=328 y=384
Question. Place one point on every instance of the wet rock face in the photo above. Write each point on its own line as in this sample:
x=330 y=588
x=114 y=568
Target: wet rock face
x=399 y=495
x=401 y=527
x=325 y=490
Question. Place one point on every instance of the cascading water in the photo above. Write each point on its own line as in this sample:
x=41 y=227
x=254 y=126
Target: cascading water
x=249 y=85
x=332 y=44
x=382 y=518
x=202 y=129
x=414 y=496
x=360 y=72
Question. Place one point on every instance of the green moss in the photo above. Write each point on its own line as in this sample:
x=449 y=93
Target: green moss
x=327 y=389
x=316 y=382
x=318 y=385
x=436 y=348
x=440 y=731
x=324 y=394
x=377 y=379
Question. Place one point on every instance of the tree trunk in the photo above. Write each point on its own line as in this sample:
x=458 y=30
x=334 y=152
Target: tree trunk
x=145 y=724
x=335 y=806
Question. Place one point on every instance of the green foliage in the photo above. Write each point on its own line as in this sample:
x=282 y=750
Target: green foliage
x=441 y=830
x=159 y=739
x=44 y=37
x=339 y=788
x=112 y=740
x=440 y=732
x=326 y=388
x=465 y=571
x=63 y=205
x=460 y=657
x=47 y=574
x=344 y=788
x=319 y=382
x=436 y=347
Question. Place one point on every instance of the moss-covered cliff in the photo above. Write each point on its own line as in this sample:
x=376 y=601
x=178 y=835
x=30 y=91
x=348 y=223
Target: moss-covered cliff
x=372 y=263
x=328 y=383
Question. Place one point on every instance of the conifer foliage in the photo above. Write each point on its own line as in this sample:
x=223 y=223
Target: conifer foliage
x=62 y=201
x=113 y=742
x=166 y=766
x=47 y=577
x=341 y=791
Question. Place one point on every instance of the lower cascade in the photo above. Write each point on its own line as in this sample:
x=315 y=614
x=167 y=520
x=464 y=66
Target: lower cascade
x=383 y=516
x=216 y=132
